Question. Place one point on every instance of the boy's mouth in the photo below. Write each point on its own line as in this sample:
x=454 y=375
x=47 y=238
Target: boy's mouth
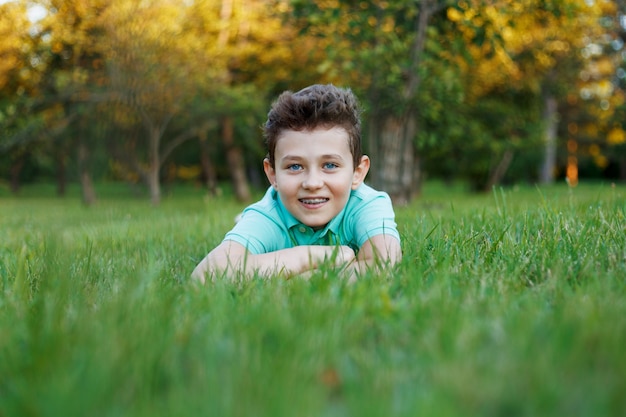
x=313 y=201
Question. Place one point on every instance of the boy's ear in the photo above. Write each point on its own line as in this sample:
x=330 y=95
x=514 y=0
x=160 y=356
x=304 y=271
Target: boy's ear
x=360 y=172
x=270 y=173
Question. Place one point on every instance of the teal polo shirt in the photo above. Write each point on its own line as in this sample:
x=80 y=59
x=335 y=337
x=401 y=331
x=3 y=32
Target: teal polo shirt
x=267 y=226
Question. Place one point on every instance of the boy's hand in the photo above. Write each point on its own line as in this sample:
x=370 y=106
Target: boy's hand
x=343 y=255
x=337 y=255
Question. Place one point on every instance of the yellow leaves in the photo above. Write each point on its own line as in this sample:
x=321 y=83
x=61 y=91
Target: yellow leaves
x=603 y=88
x=544 y=60
x=527 y=39
x=495 y=16
x=616 y=136
x=333 y=4
x=188 y=172
x=14 y=36
x=469 y=14
x=594 y=150
x=512 y=70
x=601 y=161
x=558 y=46
x=163 y=52
x=57 y=47
x=604 y=67
x=591 y=130
x=123 y=172
x=454 y=14
x=531 y=41
x=388 y=25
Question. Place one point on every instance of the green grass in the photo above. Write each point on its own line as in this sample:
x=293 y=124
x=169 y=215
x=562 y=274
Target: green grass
x=507 y=304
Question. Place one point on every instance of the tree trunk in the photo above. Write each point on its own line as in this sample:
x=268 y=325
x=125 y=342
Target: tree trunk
x=235 y=161
x=234 y=156
x=395 y=168
x=84 y=176
x=208 y=170
x=548 y=167
x=61 y=176
x=498 y=172
x=154 y=167
x=622 y=168
x=395 y=163
x=14 y=173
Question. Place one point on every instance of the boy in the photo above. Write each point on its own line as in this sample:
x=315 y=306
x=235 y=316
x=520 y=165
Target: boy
x=317 y=208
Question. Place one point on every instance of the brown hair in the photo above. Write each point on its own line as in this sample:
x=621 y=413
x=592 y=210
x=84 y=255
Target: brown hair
x=315 y=106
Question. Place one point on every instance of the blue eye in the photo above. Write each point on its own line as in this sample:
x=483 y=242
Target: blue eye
x=330 y=165
x=294 y=167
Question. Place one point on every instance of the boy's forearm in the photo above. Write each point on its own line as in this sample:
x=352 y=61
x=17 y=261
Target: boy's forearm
x=285 y=262
x=222 y=264
x=377 y=254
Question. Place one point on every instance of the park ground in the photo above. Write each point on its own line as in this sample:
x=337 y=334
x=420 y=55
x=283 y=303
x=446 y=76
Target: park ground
x=511 y=303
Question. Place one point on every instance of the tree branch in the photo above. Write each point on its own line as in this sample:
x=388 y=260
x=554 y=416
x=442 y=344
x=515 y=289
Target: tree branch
x=182 y=138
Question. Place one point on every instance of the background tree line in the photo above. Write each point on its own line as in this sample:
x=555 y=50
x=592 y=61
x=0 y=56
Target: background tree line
x=486 y=91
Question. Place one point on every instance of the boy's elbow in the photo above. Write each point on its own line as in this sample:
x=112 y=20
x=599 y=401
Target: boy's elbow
x=381 y=251
x=395 y=253
x=200 y=271
x=388 y=259
x=228 y=256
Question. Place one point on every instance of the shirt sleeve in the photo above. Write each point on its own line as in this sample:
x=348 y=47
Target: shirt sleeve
x=374 y=217
x=257 y=232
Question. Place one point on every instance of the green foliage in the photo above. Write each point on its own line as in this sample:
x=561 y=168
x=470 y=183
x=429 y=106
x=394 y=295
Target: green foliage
x=151 y=76
x=504 y=304
x=462 y=141
x=367 y=46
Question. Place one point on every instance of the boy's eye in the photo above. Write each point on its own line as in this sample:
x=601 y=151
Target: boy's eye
x=330 y=165
x=294 y=167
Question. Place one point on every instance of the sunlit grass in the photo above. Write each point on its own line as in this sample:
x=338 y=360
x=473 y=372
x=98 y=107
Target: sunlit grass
x=511 y=303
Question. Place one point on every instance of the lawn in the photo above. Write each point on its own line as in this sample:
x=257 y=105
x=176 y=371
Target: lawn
x=506 y=304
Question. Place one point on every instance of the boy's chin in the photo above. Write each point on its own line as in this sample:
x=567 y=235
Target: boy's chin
x=314 y=225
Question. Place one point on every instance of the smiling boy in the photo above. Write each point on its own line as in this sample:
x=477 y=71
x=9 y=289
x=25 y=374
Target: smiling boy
x=317 y=208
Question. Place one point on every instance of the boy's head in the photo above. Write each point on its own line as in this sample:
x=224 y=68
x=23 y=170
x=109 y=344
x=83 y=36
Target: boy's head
x=316 y=106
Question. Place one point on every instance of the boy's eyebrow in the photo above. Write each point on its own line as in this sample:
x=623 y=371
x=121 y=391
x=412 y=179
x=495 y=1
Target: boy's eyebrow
x=291 y=158
x=332 y=156
x=299 y=158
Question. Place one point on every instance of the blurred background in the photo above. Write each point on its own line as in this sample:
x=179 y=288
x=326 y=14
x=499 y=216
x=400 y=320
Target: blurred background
x=167 y=92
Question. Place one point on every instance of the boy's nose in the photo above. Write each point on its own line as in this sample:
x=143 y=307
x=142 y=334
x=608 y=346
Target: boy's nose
x=312 y=181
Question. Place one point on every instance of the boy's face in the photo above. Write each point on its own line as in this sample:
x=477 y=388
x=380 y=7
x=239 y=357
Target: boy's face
x=314 y=173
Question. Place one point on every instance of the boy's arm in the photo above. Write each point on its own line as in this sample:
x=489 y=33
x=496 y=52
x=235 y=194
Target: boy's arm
x=377 y=253
x=231 y=256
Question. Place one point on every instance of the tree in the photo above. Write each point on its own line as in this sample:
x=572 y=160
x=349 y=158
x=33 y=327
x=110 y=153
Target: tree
x=518 y=63
x=602 y=137
x=549 y=60
x=207 y=63
x=74 y=74
x=155 y=67
x=20 y=75
x=379 y=48
x=259 y=54
x=60 y=62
